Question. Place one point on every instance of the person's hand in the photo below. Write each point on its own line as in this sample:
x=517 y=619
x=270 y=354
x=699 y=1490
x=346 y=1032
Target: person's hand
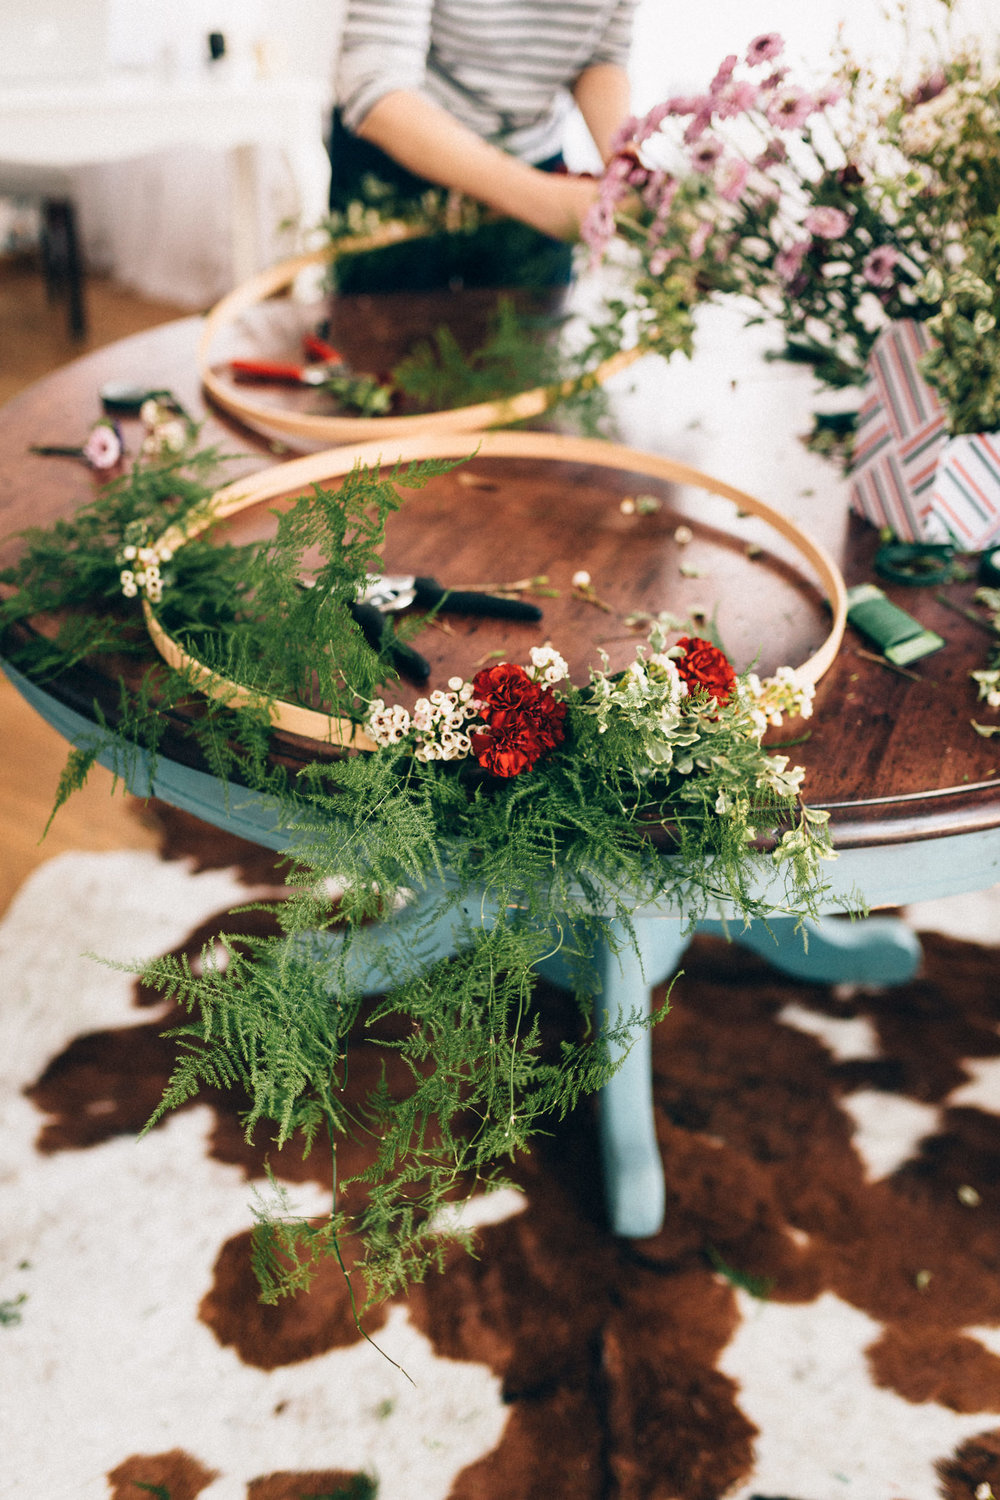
x=560 y=203
x=428 y=141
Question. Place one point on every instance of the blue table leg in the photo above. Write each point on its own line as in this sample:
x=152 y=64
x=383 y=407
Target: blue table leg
x=630 y=1155
x=833 y=950
x=404 y=944
x=880 y=950
x=626 y=969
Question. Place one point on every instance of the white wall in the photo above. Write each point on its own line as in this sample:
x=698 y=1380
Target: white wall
x=675 y=52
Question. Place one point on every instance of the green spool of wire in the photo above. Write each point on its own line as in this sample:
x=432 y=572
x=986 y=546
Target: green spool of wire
x=916 y=562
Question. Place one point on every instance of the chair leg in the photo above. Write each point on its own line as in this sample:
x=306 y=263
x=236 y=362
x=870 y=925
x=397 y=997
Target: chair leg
x=62 y=263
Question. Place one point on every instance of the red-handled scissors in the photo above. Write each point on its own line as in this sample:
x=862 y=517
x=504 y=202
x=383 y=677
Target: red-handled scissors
x=279 y=372
x=326 y=359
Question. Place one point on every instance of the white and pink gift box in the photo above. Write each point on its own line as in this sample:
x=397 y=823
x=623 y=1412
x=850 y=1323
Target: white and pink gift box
x=908 y=474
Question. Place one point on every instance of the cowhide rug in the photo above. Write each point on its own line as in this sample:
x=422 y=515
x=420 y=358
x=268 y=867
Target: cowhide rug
x=820 y=1318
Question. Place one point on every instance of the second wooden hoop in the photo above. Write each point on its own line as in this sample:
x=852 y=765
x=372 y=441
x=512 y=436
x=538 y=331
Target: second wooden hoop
x=328 y=430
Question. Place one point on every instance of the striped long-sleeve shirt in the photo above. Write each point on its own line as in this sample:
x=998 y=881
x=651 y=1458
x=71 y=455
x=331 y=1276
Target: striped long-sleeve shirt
x=502 y=67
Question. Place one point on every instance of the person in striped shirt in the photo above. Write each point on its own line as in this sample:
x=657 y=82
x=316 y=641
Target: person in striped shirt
x=473 y=95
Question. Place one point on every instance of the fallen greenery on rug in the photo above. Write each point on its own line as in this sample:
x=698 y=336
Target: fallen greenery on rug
x=511 y=817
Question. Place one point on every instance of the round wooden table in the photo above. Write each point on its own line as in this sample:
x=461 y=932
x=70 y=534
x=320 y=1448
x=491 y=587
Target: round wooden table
x=912 y=791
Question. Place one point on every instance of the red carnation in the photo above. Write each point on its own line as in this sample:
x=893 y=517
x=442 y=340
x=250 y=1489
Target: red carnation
x=503 y=687
x=502 y=755
x=522 y=718
x=705 y=666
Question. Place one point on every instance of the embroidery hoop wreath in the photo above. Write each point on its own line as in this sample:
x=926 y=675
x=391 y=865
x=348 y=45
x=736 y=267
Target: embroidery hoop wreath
x=300 y=474
x=317 y=430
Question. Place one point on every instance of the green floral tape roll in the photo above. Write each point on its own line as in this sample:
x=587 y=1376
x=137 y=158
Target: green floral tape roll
x=899 y=637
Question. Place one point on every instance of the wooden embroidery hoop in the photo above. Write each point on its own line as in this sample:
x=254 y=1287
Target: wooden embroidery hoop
x=297 y=475
x=317 y=430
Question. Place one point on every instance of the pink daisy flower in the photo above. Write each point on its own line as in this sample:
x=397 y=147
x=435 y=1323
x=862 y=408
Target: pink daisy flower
x=660 y=193
x=725 y=73
x=789 y=110
x=935 y=83
x=687 y=104
x=629 y=132
x=788 y=262
x=737 y=99
x=650 y=124
x=773 y=155
x=732 y=178
x=829 y=96
x=705 y=155
x=697 y=125
x=879 y=265
x=776 y=79
x=826 y=222
x=764 y=47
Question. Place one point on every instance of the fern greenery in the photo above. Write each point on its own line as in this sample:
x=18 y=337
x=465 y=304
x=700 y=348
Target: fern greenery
x=494 y=873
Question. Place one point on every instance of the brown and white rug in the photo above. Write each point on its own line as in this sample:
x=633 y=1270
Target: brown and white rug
x=819 y=1319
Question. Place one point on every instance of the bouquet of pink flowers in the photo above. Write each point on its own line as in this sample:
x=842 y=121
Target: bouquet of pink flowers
x=831 y=208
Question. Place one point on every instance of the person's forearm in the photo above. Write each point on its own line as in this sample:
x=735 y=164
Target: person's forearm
x=603 y=97
x=430 y=142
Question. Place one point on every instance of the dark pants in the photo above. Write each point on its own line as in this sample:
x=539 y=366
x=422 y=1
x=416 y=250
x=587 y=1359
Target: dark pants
x=504 y=253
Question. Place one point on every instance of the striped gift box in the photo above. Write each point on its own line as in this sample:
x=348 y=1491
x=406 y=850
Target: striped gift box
x=965 y=492
x=901 y=432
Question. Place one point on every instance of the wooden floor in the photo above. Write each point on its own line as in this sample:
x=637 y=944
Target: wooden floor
x=34 y=340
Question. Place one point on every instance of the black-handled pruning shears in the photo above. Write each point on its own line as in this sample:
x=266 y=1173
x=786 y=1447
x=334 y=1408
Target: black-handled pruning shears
x=386 y=595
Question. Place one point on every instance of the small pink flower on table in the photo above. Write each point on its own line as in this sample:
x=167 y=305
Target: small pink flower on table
x=104 y=447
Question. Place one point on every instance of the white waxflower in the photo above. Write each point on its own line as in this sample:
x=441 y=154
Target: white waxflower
x=387 y=726
x=423 y=716
x=547 y=665
x=779 y=695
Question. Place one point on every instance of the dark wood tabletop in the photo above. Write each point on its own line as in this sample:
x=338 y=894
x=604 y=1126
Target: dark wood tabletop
x=894 y=757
